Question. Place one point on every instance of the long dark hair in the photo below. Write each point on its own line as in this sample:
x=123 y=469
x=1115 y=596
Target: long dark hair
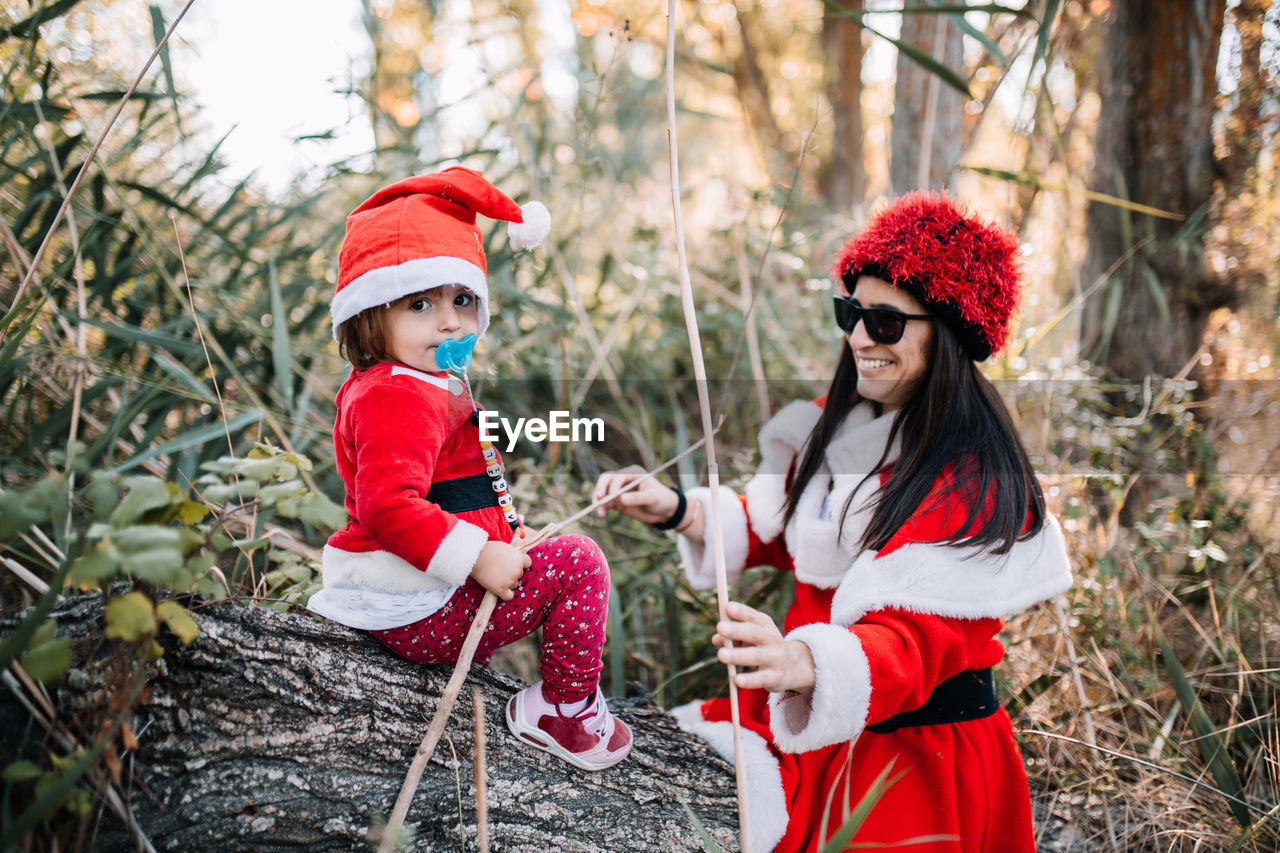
x=957 y=421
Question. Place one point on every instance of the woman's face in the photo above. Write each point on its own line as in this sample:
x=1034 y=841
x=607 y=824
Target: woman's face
x=890 y=374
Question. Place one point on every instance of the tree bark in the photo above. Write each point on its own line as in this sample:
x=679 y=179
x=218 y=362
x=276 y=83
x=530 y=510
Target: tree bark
x=928 y=114
x=1157 y=82
x=846 y=182
x=277 y=731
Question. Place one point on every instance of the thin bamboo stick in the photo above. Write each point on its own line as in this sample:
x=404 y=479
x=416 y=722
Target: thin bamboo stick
x=704 y=401
x=478 y=762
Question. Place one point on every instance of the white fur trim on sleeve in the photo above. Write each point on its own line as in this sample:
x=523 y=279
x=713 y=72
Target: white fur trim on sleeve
x=837 y=709
x=955 y=581
x=700 y=560
x=766 y=800
x=457 y=553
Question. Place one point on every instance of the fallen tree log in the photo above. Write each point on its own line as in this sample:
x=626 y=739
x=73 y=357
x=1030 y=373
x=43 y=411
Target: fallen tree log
x=275 y=731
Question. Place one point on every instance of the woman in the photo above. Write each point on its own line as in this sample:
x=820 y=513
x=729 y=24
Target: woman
x=905 y=504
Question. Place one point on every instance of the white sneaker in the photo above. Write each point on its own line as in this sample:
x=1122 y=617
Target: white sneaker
x=592 y=739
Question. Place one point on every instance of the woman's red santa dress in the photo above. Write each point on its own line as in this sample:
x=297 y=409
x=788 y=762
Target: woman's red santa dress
x=885 y=629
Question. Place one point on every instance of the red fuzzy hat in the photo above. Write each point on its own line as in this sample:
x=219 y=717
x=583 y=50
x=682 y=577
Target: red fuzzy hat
x=963 y=269
x=421 y=233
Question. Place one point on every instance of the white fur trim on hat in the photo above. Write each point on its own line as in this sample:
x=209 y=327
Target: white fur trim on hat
x=700 y=559
x=837 y=709
x=384 y=285
x=766 y=799
x=535 y=227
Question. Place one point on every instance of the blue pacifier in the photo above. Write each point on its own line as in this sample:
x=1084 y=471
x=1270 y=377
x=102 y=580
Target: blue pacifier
x=455 y=355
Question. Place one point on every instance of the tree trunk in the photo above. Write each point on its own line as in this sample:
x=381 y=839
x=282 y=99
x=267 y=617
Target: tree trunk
x=928 y=114
x=846 y=182
x=277 y=731
x=1157 y=81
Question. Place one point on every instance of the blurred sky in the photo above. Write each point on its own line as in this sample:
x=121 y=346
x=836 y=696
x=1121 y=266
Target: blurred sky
x=270 y=71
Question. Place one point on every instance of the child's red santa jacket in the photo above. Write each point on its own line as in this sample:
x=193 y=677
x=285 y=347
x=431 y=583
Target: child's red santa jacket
x=885 y=628
x=398 y=432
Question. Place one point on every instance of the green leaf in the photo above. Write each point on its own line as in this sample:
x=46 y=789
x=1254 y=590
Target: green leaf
x=27 y=26
x=144 y=494
x=44 y=633
x=21 y=509
x=184 y=376
x=281 y=361
x=20 y=771
x=157 y=33
x=260 y=470
x=99 y=563
x=179 y=621
x=317 y=510
x=1157 y=294
x=130 y=617
x=1040 y=183
x=48 y=661
x=224 y=492
x=882 y=783
x=192 y=512
x=144 y=537
x=708 y=843
x=1209 y=741
x=1042 y=36
x=163 y=566
x=104 y=496
x=195 y=437
x=926 y=61
x=134 y=334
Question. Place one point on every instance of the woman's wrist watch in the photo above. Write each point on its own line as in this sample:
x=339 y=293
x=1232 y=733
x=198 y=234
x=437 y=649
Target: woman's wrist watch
x=682 y=505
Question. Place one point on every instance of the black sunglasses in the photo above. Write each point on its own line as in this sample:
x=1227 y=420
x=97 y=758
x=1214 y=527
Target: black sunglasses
x=883 y=325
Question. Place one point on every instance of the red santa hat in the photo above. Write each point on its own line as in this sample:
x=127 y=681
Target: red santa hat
x=961 y=268
x=421 y=233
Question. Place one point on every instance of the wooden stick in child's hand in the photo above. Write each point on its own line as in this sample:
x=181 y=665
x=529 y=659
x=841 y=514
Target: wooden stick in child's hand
x=428 y=745
x=482 y=807
x=469 y=646
x=447 y=700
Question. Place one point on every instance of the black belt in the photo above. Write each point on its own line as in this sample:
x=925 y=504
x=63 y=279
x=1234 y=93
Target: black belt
x=463 y=494
x=971 y=695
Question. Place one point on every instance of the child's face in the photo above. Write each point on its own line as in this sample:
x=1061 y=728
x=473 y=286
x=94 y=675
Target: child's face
x=416 y=324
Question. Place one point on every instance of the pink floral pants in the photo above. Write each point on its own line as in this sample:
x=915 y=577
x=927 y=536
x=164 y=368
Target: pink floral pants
x=565 y=592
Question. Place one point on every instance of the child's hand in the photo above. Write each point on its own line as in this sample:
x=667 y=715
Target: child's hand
x=650 y=502
x=780 y=664
x=499 y=568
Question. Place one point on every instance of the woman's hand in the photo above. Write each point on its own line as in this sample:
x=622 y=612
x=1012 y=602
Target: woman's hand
x=780 y=664
x=499 y=568
x=650 y=502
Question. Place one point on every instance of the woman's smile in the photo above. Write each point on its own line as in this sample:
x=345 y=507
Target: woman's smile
x=890 y=374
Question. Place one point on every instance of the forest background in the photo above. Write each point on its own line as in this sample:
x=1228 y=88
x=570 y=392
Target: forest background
x=167 y=375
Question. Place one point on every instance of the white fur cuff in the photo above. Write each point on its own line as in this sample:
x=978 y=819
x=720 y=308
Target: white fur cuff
x=766 y=800
x=457 y=553
x=700 y=560
x=837 y=709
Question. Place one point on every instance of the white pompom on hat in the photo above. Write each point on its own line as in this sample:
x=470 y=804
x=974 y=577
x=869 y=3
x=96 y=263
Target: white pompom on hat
x=421 y=233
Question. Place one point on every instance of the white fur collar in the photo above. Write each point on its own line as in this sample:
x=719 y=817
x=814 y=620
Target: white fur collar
x=849 y=457
x=955 y=581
